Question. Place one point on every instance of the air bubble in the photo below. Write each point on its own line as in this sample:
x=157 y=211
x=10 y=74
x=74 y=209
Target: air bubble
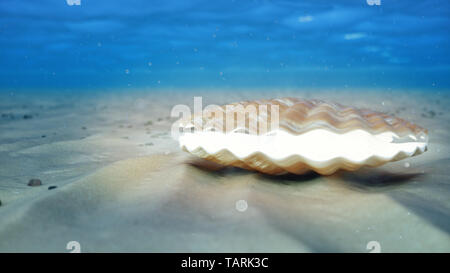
x=241 y=205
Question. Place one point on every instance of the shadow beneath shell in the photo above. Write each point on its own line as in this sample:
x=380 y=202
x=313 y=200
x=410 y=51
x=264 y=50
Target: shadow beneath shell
x=290 y=178
x=215 y=169
x=373 y=180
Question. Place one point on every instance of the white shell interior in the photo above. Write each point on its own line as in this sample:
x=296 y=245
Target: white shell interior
x=318 y=145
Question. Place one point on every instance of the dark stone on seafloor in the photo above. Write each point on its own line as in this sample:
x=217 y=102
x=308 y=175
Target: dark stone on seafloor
x=34 y=182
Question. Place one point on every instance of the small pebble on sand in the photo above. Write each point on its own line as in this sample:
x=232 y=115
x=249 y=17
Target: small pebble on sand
x=34 y=182
x=52 y=187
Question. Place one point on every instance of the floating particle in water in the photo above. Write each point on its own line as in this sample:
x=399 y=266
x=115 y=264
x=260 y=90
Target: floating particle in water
x=241 y=205
x=149 y=63
x=304 y=19
x=127 y=71
x=407 y=164
x=99 y=44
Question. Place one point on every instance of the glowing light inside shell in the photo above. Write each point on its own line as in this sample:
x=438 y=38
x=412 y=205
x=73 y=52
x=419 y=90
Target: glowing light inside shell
x=317 y=145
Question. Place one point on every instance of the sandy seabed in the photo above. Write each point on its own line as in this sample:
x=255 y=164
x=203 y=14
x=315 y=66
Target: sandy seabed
x=123 y=184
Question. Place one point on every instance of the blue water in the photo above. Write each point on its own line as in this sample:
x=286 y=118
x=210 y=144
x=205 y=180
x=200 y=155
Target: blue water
x=49 y=44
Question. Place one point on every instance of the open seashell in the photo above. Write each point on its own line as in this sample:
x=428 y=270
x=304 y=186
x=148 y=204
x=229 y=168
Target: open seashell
x=295 y=135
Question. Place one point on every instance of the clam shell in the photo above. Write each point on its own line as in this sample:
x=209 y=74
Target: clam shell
x=301 y=135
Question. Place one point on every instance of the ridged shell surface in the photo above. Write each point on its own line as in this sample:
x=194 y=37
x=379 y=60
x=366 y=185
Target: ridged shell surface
x=301 y=135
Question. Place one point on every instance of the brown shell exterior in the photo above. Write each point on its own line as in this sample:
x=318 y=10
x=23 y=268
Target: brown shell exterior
x=299 y=115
